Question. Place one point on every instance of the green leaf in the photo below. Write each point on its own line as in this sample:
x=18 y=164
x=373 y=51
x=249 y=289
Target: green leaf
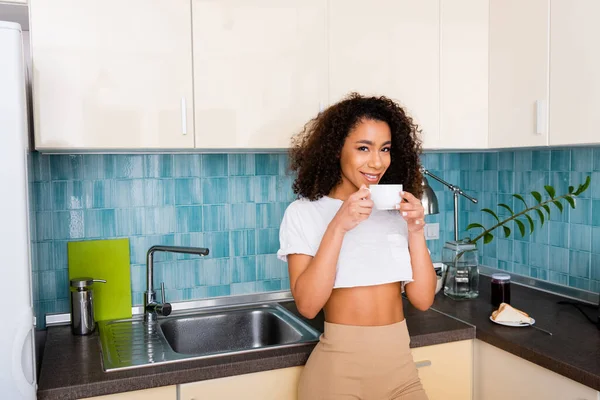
x=488 y=237
x=518 y=196
x=475 y=225
x=550 y=190
x=521 y=226
x=537 y=196
x=493 y=214
x=547 y=208
x=506 y=231
x=571 y=201
x=582 y=188
x=571 y=189
x=558 y=205
x=587 y=182
x=506 y=207
x=531 y=224
x=541 y=215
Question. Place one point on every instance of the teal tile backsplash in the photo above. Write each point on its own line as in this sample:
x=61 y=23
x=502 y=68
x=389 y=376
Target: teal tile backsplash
x=233 y=204
x=230 y=203
x=566 y=249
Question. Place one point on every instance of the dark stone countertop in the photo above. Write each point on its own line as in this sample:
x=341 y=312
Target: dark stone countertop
x=71 y=367
x=573 y=350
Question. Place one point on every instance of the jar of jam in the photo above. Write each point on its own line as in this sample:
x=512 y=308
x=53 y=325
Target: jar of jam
x=500 y=289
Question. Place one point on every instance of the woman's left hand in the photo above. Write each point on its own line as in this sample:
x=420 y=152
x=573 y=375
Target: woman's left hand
x=413 y=212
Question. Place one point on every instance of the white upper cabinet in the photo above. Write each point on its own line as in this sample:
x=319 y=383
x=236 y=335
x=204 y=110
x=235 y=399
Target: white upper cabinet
x=518 y=73
x=391 y=48
x=249 y=74
x=111 y=74
x=464 y=74
x=260 y=70
x=574 y=72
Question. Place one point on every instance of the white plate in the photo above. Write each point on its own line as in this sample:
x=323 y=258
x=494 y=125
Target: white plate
x=513 y=324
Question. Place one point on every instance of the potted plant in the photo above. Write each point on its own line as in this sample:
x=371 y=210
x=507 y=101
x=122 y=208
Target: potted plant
x=462 y=278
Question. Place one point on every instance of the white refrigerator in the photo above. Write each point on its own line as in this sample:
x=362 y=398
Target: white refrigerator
x=17 y=354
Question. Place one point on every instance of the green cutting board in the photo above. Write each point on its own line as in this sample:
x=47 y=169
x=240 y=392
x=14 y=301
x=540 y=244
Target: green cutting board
x=109 y=260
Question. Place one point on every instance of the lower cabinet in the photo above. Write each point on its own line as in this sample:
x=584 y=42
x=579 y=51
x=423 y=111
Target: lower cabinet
x=159 y=393
x=278 y=384
x=446 y=370
x=500 y=375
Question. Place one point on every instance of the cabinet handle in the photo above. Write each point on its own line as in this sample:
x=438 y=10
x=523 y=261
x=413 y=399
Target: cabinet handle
x=183 y=117
x=540 y=117
x=421 y=364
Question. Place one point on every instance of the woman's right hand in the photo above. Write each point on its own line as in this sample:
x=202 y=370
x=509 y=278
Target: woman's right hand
x=353 y=211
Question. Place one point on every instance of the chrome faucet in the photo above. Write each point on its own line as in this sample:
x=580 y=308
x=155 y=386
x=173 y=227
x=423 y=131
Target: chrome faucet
x=151 y=307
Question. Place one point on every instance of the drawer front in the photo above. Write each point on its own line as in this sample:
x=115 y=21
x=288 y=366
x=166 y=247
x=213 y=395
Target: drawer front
x=159 y=393
x=278 y=384
x=446 y=370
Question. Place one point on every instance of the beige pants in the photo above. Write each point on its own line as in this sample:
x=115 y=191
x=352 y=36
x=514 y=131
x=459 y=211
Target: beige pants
x=361 y=362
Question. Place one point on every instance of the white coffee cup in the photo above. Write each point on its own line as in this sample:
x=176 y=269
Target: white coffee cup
x=385 y=196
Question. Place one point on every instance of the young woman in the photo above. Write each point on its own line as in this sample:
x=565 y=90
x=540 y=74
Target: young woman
x=352 y=260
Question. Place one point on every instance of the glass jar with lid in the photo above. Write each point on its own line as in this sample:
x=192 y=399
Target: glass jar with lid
x=462 y=276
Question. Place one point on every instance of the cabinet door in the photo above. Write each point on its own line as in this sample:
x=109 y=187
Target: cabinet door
x=500 y=375
x=446 y=370
x=574 y=72
x=391 y=48
x=464 y=74
x=111 y=74
x=160 y=393
x=518 y=73
x=260 y=70
x=279 y=384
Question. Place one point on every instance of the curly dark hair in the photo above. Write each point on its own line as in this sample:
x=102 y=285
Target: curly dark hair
x=323 y=137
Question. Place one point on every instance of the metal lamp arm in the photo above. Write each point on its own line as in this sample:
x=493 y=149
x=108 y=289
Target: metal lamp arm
x=450 y=186
x=456 y=191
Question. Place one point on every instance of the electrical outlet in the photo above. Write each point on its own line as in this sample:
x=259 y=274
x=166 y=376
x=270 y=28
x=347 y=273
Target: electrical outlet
x=432 y=231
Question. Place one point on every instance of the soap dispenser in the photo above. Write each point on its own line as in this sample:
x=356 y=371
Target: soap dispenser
x=82 y=305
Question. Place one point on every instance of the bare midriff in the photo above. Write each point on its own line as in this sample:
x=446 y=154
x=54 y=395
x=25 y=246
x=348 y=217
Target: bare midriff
x=365 y=305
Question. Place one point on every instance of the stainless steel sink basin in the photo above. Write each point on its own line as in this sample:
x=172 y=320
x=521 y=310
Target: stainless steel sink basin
x=131 y=343
x=229 y=331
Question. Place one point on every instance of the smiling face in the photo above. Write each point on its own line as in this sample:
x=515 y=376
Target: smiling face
x=364 y=158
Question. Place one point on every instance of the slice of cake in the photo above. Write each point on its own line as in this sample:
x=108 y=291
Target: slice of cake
x=507 y=313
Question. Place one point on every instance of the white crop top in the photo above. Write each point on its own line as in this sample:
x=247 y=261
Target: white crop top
x=373 y=253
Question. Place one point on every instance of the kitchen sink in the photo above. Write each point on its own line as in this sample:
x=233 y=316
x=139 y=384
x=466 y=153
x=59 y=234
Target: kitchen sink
x=132 y=343
x=229 y=331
